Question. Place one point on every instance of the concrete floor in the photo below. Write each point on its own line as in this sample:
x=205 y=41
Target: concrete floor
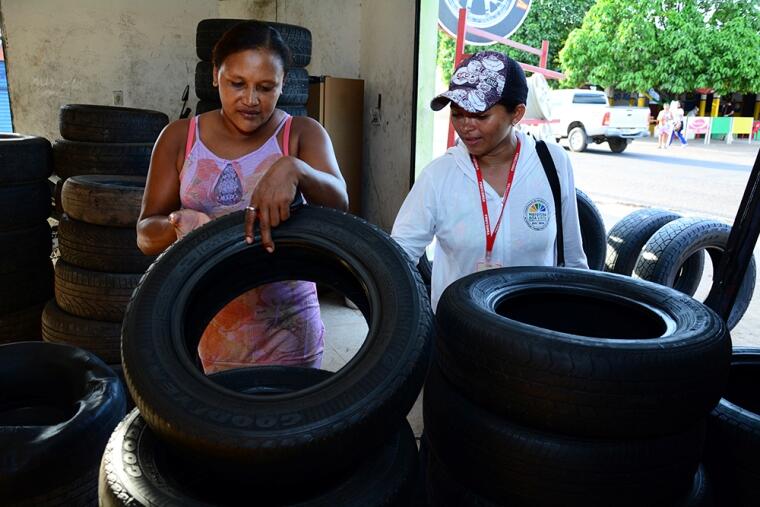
x=345 y=331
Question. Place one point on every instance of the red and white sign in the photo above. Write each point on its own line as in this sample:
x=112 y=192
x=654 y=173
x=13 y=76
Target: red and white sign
x=698 y=124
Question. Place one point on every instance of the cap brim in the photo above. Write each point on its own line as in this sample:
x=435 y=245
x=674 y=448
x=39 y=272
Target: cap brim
x=446 y=97
x=439 y=102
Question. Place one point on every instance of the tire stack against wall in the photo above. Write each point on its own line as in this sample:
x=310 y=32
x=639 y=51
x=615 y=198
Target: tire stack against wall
x=286 y=435
x=295 y=89
x=26 y=270
x=102 y=162
x=663 y=247
x=567 y=387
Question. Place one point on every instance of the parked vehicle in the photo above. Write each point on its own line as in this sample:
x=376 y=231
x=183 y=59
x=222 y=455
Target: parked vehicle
x=584 y=116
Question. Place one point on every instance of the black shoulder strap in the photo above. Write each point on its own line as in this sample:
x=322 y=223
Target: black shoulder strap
x=551 y=174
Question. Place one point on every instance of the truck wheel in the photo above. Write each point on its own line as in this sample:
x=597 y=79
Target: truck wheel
x=617 y=144
x=577 y=139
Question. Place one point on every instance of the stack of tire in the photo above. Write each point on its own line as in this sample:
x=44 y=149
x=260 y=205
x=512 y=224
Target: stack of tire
x=295 y=89
x=102 y=161
x=663 y=247
x=108 y=140
x=58 y=406
x=733 y=433
x=26 y=270
x=567 y=387
x=286 y=435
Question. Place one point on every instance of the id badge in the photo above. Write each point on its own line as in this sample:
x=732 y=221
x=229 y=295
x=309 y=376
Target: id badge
x=486 y=263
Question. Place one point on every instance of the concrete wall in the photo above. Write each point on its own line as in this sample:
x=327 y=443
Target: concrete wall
x=81 y=51
x=387 y=65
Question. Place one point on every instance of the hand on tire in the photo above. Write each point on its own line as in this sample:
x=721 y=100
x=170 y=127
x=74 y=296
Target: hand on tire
x=271 y=199
x=186 y=220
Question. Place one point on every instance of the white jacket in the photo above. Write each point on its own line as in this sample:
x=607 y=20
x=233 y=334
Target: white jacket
x=445 y=203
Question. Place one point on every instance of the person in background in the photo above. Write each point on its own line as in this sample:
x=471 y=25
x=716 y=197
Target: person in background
x=249 y=156
x=491 y=181
x=678 y=119
x=727 y=108
x=664 y=126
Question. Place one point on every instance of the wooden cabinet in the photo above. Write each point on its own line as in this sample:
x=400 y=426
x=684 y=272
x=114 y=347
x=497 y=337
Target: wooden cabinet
x=338 y=104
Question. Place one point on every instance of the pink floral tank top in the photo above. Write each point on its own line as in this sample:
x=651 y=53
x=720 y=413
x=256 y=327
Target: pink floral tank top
x=276 y=323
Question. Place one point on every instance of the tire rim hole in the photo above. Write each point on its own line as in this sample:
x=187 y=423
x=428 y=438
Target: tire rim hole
x=583 y=314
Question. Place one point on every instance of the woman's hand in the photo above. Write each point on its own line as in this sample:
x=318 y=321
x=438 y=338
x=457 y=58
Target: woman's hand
x=186 y=220
x=271 y=199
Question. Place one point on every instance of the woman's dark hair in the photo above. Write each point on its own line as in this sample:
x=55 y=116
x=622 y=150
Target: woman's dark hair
x=250 y=35
x=509 y=105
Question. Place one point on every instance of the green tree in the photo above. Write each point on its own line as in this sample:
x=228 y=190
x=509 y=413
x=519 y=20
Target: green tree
x=550 y=20
x=671 y=45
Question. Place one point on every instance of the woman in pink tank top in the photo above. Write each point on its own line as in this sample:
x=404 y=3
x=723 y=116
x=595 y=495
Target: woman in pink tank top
x=247 y=155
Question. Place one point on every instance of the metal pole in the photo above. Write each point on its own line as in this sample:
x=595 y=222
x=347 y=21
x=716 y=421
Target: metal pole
x=733 y=264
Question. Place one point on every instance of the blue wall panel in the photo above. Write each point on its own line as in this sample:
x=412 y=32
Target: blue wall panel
x=5 y=105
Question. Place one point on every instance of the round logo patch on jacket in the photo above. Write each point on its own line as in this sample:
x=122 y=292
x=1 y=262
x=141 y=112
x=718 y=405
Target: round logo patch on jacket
x=537 y=214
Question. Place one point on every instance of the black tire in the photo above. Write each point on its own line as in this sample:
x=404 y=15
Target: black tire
x=110 y=124
x=22 y=325
x=592 y=231
x=93 y=295
x=425 y=267
x=293 y=110
x=24 y=159
x=59 y=406
x=617 y=144
x=112 y=201
x=204 y=84
x=582 y=352
x=26 y=287
x=101 y=248
x=443 y=489
x=295 y=89
x=577 y=139
x=75 y=158
x=627 y=237
x=664 y=256
x=25 y=247
x=733 y=433
x=333 y=423
x=511 y=464
x=204 y=106
x=24 y=205
x=119 y=371
x=101 y=338
x=297 y=38
x=383 y=478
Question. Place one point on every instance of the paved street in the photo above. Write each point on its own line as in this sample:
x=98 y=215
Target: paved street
x=698 y=180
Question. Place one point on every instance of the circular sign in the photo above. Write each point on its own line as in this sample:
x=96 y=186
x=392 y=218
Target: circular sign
x=500 y=17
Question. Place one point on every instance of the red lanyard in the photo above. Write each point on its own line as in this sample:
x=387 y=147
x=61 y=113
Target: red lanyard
x=491 y=236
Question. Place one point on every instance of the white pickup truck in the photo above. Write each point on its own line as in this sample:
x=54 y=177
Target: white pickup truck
x=584 y=116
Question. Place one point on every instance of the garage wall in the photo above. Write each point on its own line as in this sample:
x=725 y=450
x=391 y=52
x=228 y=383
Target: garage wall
x=387 y=65
x=84 y=52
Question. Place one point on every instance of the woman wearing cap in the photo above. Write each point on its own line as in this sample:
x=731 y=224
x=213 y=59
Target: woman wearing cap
x=246 y=155
x=487 y=200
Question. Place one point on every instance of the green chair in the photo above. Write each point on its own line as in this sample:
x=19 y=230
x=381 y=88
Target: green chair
x=721 y=126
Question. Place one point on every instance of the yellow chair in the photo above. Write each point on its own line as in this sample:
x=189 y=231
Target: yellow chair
x=742 y=125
